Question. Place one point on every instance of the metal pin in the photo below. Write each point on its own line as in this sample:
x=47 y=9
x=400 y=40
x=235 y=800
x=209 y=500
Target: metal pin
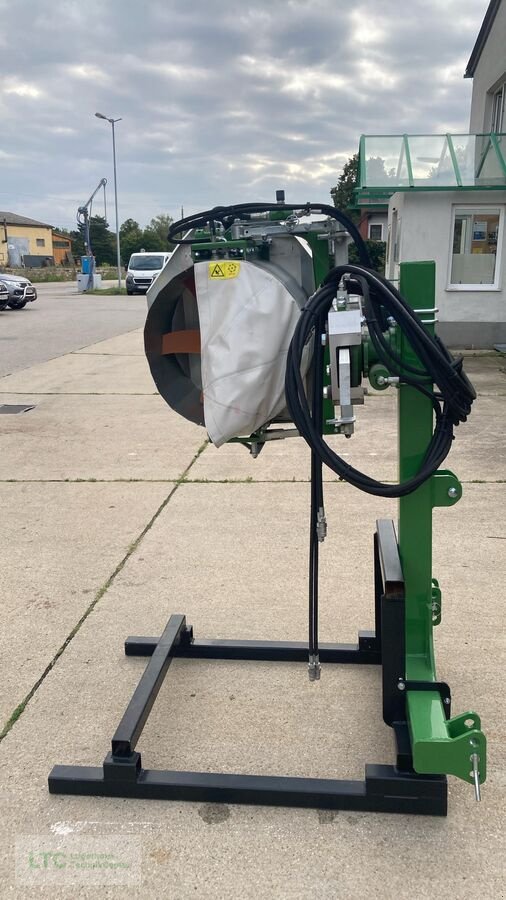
x=321 y=525
x=314 y=668
x=476 y=775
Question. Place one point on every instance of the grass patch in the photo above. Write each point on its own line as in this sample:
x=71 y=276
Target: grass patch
x=108 y=292
x=42 y=276
x=59 y=273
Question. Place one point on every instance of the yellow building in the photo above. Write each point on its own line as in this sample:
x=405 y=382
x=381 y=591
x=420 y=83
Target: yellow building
x=24 y=242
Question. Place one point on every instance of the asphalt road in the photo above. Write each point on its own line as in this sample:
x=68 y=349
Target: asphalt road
x=60 y=321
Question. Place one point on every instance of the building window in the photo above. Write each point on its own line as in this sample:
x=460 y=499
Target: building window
x=476 y=248
x=41 y=242
x=62 y=244
x=498 y=109
x=376 y=232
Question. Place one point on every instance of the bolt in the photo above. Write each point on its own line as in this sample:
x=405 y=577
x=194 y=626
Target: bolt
x=323 y=339
x=453 y=492
x=475 y=774
x=400 y=685
x=447 y=701
x=327 y=370
x=326 y=392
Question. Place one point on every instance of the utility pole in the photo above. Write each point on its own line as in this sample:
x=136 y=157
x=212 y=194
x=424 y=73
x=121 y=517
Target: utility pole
x=118 y=252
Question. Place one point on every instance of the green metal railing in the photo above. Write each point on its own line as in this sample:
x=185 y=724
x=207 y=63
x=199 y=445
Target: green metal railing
x=430 y=162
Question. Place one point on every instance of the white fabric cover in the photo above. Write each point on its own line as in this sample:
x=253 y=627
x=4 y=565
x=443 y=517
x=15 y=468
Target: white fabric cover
x=246 y=324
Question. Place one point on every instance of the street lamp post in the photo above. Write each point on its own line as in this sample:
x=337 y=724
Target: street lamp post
x=113 y=122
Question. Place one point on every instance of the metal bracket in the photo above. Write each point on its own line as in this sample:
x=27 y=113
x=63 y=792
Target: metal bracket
x=440 y=687
x=446 y=488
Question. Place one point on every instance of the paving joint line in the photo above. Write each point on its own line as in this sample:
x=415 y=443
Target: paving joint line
x=19 y=710
x=91 y=481
x=180 y=481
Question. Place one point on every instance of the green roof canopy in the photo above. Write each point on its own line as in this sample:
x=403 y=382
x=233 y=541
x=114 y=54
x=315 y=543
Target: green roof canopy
x=431 y=162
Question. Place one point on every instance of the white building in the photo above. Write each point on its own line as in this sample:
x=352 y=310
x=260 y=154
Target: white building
x=487 y=68
x=449 y=200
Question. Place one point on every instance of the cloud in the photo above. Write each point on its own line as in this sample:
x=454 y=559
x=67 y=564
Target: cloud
x=219 y=102
x=21 y=89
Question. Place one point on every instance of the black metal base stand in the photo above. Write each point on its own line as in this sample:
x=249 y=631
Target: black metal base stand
x=385 y=788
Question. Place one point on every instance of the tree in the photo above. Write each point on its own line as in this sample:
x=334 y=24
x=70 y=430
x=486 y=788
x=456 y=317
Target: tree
x=377 y=251
x=127 y=226
x=155 y=234
x=131 y=239
x=343 y=196
x=78 y=248
x=343 y=193
x=103 y=244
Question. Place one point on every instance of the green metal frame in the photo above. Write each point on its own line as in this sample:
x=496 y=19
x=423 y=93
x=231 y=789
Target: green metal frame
x=438 y=745
x=321 y=265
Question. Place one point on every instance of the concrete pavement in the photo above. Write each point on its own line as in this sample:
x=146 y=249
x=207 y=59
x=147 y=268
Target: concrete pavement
x=61 y=321
x=119 y=514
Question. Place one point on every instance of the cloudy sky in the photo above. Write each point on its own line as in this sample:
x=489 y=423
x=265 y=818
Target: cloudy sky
x=222 y=101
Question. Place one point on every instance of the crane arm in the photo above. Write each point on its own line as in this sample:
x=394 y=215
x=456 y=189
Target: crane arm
x=83 y=209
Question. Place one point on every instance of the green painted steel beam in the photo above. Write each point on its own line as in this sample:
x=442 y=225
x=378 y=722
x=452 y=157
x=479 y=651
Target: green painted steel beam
x=321 y=256
x=321 y=266
x=438 y=745
x=221 y=245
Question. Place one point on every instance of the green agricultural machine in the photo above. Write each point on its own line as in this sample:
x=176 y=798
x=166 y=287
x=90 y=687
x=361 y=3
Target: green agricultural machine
x=259 y=329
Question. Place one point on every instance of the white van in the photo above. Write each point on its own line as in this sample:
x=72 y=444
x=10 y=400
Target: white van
x=143 y=268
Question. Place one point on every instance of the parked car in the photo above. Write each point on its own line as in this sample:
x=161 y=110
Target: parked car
x=20 y=290
x=4 y=296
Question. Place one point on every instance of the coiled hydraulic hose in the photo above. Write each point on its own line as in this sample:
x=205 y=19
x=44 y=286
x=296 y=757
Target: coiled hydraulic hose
x=451 y=405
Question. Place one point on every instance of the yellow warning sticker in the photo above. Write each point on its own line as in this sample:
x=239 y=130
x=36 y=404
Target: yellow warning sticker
x=224 y=269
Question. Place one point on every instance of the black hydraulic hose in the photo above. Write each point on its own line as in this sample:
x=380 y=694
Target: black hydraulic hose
x=317 y=509
x=444 y=370
x=439 y=368
x=225 y=215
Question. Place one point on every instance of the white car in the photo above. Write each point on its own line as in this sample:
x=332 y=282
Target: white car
x=4 y=296
x=20 y=290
